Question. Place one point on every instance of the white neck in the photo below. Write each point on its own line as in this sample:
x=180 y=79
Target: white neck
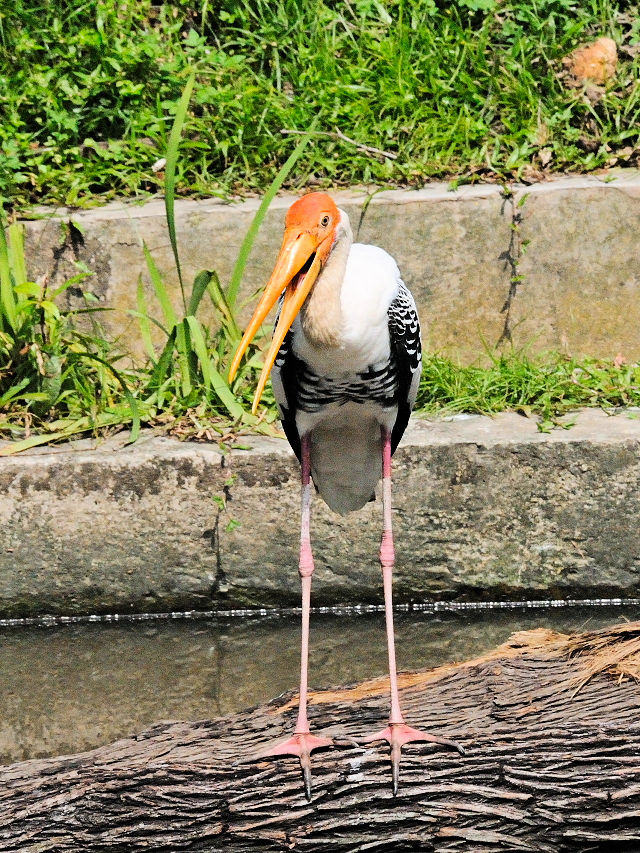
x=321 y=314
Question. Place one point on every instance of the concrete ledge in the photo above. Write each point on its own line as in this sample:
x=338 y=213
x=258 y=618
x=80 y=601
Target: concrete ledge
x=484 y=508
x=580 y=282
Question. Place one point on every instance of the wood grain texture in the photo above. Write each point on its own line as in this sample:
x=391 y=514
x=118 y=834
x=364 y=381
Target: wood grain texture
x=551 y=725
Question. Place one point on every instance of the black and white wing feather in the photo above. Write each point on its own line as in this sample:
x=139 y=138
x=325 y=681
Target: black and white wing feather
x=394 y=383
x=406 y=352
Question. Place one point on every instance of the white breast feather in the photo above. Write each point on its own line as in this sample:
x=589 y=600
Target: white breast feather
x=370 y=284
x=346 y=440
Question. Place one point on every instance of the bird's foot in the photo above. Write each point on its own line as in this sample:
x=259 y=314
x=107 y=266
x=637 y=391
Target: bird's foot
x=301 y=745
x=398 y=734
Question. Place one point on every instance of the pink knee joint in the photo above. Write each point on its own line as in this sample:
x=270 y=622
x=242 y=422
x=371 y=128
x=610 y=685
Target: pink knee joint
x=387 y=551
x=305 y=566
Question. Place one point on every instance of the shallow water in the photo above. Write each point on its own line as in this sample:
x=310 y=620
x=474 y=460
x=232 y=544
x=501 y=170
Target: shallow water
x=73 y=687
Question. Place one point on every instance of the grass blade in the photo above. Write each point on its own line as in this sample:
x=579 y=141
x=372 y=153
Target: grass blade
x=35 y=440
x=7 y=296
x=70 y=282
x=160 y=289
x=16 y=253
x=170 y=174
x=80 y=425
x=247 y=243
x=200 y=285
x=132 y=313
x=14 y=391
x=183 y=348
x=200 y=347
x=164 y=362
x=143 y=318
x=211 y=376
x=219 y=301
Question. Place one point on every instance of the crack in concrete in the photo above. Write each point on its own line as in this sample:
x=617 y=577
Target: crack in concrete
x=512 y=257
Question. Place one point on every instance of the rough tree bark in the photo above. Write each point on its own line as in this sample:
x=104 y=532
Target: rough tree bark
x=551 y=724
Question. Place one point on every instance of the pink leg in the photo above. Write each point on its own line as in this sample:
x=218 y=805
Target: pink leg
x=397 y=733
x=301 y=743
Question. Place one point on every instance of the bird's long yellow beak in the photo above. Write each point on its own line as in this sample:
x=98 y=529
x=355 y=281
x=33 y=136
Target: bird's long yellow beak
x=296 y=269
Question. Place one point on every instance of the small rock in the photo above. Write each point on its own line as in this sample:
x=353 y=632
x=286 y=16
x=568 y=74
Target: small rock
x=595 y=62
x=545 y=155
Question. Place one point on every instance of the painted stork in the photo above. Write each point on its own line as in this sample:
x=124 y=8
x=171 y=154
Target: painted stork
x=346 y=361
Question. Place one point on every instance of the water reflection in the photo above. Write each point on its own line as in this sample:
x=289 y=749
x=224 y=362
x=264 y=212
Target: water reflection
x=70 y=688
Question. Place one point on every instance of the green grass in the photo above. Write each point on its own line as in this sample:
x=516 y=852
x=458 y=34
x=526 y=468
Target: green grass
x=548 y=386
x=60 y=376
x=460 y=90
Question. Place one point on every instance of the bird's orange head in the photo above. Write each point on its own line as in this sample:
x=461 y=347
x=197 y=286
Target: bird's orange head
x=309 y=235
x=314 y=212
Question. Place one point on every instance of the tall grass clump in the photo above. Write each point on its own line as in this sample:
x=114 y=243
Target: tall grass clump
x=189 y=374
x=57 y=380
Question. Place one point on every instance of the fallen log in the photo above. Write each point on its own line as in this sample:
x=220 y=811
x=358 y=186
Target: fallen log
x=550 y=723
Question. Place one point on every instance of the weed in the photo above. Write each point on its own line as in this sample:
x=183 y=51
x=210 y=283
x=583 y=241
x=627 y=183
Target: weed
x=55 y=380
x=189 y=375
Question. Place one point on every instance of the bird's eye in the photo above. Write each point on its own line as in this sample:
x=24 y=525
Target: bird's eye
x=324 y=221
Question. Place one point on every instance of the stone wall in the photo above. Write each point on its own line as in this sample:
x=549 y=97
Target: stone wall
x=484 y=508
x=571 y=244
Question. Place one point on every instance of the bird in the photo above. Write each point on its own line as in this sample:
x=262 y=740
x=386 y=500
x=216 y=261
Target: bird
x=345 y=363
